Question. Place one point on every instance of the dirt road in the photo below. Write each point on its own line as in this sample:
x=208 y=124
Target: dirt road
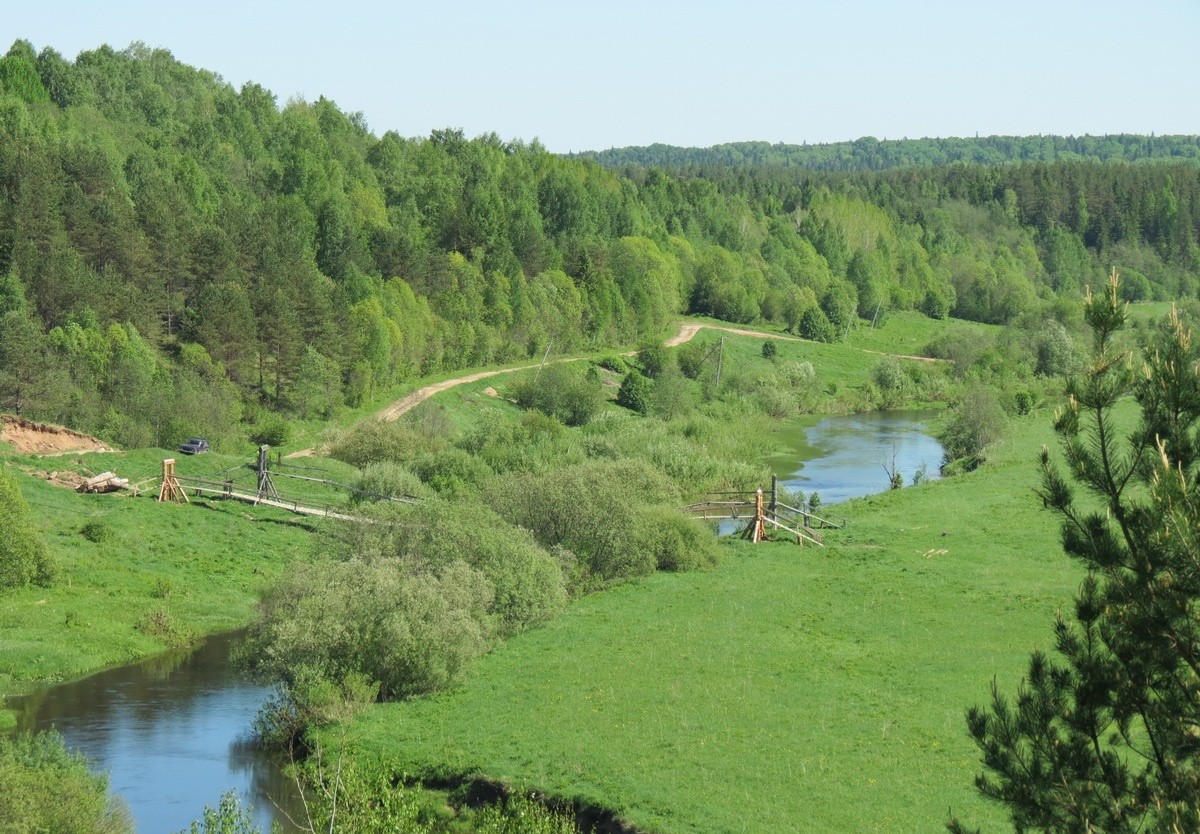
x=687 y=332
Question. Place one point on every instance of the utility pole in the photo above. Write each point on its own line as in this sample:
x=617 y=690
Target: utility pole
x=545 y=356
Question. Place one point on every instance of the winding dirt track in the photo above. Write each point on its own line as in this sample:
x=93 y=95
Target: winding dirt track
x=419 y=396
x=687 y=331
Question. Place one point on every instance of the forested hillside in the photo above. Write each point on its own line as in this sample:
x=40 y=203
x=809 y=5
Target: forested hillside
x=871 y=154
x=177 y=257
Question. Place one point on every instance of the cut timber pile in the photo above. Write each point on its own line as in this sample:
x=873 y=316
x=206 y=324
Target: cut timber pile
x=30 y=438
x=104 y=482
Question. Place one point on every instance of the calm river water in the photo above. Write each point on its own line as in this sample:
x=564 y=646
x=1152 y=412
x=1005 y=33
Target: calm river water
x=172 y=732
x=845 y=457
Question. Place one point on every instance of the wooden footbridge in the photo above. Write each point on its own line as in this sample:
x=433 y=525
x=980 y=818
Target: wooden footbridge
x=175 y=487
x=764 y=512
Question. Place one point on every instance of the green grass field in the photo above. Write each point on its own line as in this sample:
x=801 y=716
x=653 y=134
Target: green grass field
x=789 y=689
x=786 y=690
x=150 y=575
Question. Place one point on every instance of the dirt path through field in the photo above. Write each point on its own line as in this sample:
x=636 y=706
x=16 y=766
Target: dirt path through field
x=687 y=332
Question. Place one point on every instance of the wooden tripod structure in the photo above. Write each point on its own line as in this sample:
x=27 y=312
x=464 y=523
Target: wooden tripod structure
x=171 y=489
x=756 y=530
x=266 y=486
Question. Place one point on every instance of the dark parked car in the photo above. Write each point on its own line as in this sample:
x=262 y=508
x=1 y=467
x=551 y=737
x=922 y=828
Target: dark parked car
x=194 y=446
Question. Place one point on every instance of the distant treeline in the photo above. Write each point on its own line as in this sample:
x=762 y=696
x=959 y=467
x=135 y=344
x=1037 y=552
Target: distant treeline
x=177 y=255
x=871 y=154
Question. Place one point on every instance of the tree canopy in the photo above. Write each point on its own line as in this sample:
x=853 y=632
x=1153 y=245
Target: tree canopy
x=162 y=231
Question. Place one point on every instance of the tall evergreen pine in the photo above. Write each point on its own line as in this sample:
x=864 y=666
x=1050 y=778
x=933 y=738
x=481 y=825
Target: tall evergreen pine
x=1104 y=736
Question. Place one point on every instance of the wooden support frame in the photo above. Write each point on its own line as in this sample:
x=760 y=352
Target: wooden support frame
x=171 y=489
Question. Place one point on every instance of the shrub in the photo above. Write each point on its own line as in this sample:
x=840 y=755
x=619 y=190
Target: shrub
x=527 y=581
x=414 y=633
x=157 y=622
x=272 y=429
x=311 y=700
x=96 y=531
x=890 y=382
x=816 y=326
x=777 y=403
x=529 y=443
x=390 y=479
x=48 y=788
x=691 y=357
x=596 y=509
x=671 y=396
x=562 y=391
x=451 y=471
x=229 y=817
x=677 y=542
x=972 y=425
x=616 y=364
x=634 y=393
x=376 y=440
x=24 y=557
x=655 y=359
x=769 y=349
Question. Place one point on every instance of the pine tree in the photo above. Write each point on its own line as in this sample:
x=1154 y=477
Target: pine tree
x=1105 y=735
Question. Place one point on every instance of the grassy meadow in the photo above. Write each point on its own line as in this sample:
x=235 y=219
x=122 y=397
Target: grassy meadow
x=786 y=690
x=135 y=577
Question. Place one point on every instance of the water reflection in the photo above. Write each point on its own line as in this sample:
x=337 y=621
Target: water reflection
x=172 y=734
x=855 y=452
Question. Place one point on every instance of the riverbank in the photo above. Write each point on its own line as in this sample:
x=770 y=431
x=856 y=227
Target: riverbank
x=787 y=684
x=138 y=577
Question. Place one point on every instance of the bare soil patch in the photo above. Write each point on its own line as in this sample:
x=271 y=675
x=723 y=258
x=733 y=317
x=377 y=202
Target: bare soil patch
x=30 y=438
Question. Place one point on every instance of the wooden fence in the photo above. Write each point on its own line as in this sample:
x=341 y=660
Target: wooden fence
x=762 y=512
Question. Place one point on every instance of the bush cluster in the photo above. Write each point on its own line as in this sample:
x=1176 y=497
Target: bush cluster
x=24 y=558
x=563 y=391
x=409 y=600
x=48 y=788
x=606 y=514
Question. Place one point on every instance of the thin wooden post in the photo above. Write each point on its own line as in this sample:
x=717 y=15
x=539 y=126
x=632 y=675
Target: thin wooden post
x=760 y=522
x=171 y=489
x=757 y=528
x=266 y=487
x=774 y=493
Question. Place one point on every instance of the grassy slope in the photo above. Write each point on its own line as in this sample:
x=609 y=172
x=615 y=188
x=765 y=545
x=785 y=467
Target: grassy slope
x=787 y=690
x=202 y=564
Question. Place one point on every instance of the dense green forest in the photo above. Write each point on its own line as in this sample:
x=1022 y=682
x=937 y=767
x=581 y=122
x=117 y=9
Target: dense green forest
x=871 y=154
x=178 y=257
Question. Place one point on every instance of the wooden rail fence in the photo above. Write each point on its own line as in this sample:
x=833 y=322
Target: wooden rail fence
x=761 y=515
x=175 y=487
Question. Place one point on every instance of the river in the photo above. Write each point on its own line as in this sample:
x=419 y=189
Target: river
x=849 y=456
x=173 y=734
x=173 y=731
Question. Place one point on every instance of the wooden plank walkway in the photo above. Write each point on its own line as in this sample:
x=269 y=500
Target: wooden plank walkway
x=221 y=491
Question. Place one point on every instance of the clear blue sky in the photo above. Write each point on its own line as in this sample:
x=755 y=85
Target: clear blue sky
x=589 y=76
